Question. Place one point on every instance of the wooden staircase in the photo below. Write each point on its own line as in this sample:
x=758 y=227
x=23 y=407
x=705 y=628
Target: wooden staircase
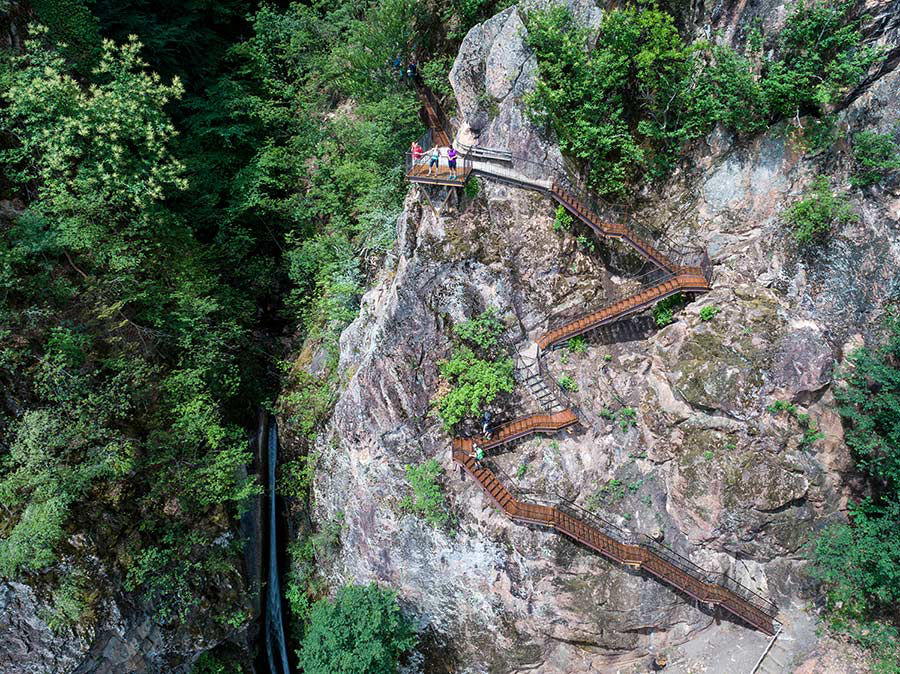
x=665 y=564
x=623 y=547
x=686 y=282
x=528 y=425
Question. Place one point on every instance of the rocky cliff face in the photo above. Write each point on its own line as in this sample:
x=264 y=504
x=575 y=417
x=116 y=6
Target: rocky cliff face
x=705 y=465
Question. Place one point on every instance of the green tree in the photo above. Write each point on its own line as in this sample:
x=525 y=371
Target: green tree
x=427 y=498
x=860 y=562
x=876 y=156
x=100 y=157
x=391 y=30
x=477 y=371
x=626 y=107
x=360 y=631
x=819 y=57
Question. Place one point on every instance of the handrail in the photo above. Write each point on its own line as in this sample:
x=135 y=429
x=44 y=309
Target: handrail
x=645 y=281
x=645 y=548
x=643 y=541
x=434 y=104
x=490 y=153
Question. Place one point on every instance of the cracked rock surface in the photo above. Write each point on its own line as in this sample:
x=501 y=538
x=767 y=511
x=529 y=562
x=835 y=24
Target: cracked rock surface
x=676 y=440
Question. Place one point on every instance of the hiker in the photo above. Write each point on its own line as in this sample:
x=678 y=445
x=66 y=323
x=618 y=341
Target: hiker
x=486 y=426
x=451 y=161
x=417 y=153
x=411 y=71
x=479 y=454
x=435 y=161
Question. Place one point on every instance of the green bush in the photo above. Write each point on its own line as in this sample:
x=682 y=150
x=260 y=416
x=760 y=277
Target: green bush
x=876 y=156
x=483 y=332
x=566 y=383
x=562 y=220
x=360 y=631
x=813 y=217
x=472 y=187
x=708 y=313
x=427 y=498
x=664 y=310
x=475 y=378
x=578 y=345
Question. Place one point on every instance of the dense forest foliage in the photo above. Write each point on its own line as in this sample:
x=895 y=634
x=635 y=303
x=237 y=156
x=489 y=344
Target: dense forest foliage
x=627 y=107
x=193 y=180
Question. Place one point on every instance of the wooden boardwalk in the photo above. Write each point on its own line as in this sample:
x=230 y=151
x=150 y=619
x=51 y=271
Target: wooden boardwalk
x=640 y=552
x=687 y=282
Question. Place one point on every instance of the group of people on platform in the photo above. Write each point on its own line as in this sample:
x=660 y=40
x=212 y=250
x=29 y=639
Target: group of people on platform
x=433 y=157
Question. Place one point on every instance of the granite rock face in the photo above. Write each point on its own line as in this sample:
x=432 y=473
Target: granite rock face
x=676 y=440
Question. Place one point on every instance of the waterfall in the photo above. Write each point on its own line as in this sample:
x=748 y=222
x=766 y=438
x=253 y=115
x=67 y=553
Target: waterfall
x=276 y=648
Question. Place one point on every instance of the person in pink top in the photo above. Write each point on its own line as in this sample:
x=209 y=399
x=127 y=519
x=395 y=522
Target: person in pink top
x=417 y=153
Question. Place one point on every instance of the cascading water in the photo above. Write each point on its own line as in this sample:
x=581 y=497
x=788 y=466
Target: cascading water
x=276 y=648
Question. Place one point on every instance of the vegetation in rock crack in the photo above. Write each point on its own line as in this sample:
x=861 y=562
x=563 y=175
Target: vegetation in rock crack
x=478 y=369
x=811 y=433
x=664 y=310
x=860 y=562
x=876 y=155
x=821 y=209
x=626 y=107
x=578 y=345
x=361 y=631
x=566 y=383
x=627 y=418
x=562 y=220
x=707 y=313
x=586 y=243
x=427 y=498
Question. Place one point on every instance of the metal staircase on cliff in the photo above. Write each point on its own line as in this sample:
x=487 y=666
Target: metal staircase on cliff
x=676 y=270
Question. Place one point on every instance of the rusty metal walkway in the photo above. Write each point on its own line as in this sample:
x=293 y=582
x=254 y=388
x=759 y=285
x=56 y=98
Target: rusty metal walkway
x=679 y=270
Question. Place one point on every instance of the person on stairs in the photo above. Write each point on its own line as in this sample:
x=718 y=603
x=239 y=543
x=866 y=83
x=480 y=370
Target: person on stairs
x=479 y=454
x=486 y=425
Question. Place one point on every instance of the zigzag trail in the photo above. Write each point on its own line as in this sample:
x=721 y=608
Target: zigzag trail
x=677 y=271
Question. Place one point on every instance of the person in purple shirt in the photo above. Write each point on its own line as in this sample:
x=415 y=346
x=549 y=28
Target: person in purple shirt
x=452 y=154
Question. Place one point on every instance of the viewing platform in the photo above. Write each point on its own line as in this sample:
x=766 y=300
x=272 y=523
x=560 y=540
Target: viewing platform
x=418 y=172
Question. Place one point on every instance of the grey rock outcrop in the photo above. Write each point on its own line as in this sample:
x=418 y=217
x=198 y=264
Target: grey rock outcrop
x=676 y=439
